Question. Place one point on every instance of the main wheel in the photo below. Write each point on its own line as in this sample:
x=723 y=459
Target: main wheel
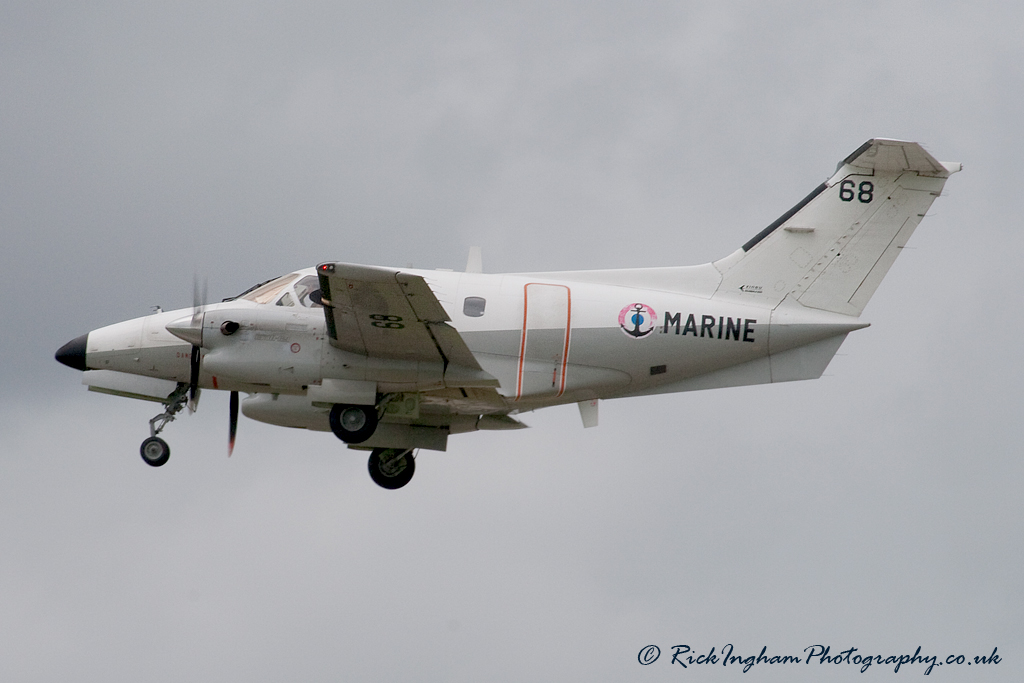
x=353 y=424
x=155 y=451
x=391 y=468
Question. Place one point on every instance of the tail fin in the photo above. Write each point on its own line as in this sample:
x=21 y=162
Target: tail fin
x=832 y=249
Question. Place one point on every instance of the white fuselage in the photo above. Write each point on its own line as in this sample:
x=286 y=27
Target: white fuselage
x=547 y=341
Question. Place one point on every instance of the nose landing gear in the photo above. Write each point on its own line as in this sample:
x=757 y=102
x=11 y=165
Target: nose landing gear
x=154 y=451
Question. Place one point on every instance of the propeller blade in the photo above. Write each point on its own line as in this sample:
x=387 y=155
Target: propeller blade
x=232 y=422
x=196 y=329
x=198 y=301
x=193 y=384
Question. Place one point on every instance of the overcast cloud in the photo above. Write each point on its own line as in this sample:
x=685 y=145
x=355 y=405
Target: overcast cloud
x=877 y=508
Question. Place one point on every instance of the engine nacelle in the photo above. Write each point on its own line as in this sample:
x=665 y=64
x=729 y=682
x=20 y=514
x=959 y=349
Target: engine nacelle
x=267 y=346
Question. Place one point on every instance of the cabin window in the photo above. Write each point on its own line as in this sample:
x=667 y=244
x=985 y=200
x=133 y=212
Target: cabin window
x=473 y=306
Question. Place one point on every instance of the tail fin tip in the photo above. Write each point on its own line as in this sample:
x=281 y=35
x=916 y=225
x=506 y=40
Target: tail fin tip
x=886 y=155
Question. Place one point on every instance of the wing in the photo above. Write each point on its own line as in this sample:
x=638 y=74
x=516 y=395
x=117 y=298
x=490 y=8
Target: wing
x=385 y=313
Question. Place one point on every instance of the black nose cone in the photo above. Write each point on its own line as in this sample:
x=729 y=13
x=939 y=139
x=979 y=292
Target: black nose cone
x=72 y=354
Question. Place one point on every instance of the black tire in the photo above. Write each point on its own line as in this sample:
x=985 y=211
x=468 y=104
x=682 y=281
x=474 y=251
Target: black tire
x=155 y=452
x=389 y=472
x=353 y=424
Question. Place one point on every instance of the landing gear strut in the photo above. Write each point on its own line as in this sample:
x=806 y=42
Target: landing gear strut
x=392 y=468
x=154 y=450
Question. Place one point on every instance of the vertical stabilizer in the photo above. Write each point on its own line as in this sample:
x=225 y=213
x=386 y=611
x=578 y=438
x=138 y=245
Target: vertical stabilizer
x=831 y=250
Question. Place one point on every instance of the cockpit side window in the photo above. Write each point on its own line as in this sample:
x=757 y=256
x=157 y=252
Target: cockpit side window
x=286 y=300
x=308 y=290
x=267 y=293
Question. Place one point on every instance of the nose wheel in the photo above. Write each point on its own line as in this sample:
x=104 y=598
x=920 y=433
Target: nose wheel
x=391 y=468
x=155 y=451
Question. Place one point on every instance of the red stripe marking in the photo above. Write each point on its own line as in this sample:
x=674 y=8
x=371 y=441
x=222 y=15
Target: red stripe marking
x=522 y=343
x=565 y=350
x=522 y=338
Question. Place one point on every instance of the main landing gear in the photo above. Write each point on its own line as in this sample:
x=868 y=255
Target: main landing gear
x=353 y=424
x=391 y=468
x=154 y=451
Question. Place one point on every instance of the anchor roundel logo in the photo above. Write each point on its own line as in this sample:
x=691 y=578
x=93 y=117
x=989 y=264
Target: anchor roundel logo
x=637 y=320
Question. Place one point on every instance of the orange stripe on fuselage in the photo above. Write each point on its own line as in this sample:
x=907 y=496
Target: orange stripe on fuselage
x=522 y=344
x=565 y=350
x=522 y=338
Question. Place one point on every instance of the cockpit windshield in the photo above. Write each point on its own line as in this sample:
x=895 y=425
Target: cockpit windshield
x=287 y=290
x=266 y=293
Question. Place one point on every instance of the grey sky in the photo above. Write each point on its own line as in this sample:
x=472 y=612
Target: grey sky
x=878 y=507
